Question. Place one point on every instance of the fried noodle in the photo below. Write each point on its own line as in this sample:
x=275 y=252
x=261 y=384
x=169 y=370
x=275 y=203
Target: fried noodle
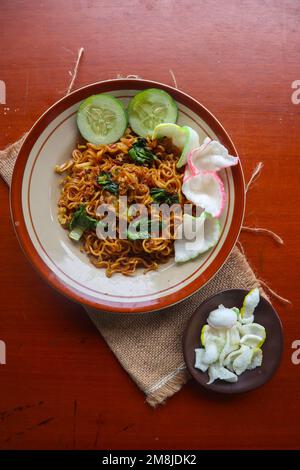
x=79 y=186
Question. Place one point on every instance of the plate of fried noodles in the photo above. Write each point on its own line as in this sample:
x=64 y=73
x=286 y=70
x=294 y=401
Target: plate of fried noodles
x=127 y=195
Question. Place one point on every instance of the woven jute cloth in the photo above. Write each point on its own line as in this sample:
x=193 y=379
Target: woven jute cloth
x=149 y=345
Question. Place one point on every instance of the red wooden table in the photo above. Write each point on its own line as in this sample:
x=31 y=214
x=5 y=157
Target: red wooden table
x=61 y=387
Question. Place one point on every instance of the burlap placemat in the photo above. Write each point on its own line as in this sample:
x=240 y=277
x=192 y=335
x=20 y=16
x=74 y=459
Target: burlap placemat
x=149 y=346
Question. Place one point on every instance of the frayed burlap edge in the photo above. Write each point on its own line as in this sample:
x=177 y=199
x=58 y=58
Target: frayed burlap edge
x=168 y=389
x=8 y=158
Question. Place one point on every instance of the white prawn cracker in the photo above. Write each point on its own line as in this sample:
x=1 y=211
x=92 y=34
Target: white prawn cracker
x=222 y=317
x=195 y=236
x=216 y=371
x=249 y=305
x=211 y=156
x=231 y=341
x=206 y=190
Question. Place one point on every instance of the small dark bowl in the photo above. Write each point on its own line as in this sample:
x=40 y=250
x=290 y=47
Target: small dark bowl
x=272 y=348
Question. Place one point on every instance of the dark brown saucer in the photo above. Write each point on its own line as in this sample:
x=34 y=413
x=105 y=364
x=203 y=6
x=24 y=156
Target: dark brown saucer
x=272 y=348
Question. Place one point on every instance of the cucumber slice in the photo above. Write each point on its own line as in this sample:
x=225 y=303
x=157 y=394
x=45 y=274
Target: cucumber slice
x=149 y=108
x=176 y=133
x=192 y=142
x=184 y=138
x=101 y=119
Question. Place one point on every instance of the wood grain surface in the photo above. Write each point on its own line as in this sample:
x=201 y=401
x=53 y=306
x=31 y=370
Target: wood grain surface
x=61 y=387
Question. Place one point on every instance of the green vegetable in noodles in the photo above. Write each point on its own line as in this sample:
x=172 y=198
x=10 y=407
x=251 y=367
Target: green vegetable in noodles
x=162 y=196
x=105 y=180
x=140 y=154
x=80 y=222
x=140 y=229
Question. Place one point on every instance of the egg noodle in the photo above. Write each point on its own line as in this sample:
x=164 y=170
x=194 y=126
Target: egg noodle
x=80 y=187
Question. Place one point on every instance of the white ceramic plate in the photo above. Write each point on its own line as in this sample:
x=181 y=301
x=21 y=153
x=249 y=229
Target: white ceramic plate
x=35 y=192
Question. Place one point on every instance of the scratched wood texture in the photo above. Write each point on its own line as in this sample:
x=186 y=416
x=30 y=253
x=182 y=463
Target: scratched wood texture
x=61 y=387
